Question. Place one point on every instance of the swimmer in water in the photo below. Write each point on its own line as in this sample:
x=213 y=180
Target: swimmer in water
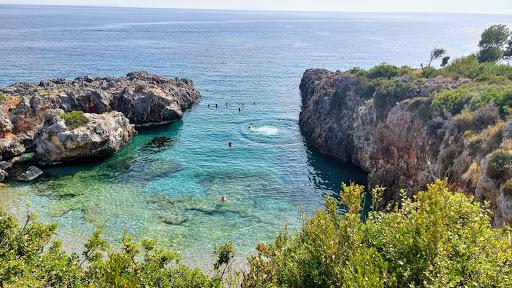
x=239 y=109
x=208 y=105
x=216 y=106
x=223 y=198
x=229 y=144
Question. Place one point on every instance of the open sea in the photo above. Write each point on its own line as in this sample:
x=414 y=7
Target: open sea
x=251 y=60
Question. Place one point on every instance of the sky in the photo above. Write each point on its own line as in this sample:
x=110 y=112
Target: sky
x=447 y=6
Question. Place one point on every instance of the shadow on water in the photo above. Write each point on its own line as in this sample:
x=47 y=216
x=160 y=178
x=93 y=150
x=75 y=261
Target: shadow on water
x=330 y=173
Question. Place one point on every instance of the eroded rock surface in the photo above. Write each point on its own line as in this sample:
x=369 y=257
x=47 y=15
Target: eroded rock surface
x=402 y=142
x=143 y=98
x=103 y=134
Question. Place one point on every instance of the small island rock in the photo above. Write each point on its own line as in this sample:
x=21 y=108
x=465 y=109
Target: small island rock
x=102 y=135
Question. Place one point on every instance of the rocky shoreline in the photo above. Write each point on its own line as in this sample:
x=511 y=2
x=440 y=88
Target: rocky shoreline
x=40 y=117
x=404 y=142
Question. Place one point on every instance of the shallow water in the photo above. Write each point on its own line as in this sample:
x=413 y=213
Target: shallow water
x=249 y=60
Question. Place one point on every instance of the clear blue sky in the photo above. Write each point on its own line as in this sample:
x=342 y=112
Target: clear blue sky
x=464 y=6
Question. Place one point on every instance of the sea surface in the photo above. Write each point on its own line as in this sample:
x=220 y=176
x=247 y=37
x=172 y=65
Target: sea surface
x=248 y=60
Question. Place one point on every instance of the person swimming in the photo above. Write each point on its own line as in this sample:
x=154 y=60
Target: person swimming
x=239 y=110
x=229 y=144
x=223 y=198
x=216 y=106
x=208 y=105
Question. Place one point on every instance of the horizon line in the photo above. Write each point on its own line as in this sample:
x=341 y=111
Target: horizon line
x=263 y=10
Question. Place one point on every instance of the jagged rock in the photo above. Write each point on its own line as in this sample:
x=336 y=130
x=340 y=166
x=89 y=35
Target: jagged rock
x=400 y=145
x=3 y=175
x=4 y=165
x=104 y=134
x=144 y=98
x=32 y=173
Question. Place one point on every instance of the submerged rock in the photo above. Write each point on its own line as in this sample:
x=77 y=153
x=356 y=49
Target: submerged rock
x=144 y=98
x=32 y=173
x=103 y=134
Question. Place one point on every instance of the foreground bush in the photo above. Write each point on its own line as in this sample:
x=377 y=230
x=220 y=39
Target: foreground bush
x=29 y=258
x=436 y=239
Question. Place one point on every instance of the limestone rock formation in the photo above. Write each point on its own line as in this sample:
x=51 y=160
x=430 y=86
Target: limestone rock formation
x=145 y=99
x=399 y=138
x=103 y=134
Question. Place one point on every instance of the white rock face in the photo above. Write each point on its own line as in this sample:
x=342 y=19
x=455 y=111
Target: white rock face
x=103 y=135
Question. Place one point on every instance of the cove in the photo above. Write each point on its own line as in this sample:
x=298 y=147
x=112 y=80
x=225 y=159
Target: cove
x=250 y=60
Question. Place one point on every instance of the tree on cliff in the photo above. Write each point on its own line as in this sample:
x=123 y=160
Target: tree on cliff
x=507 y=54
x=492 y=43
x=436 y=54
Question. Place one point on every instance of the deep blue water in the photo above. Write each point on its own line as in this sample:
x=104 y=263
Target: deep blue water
x=269 y=175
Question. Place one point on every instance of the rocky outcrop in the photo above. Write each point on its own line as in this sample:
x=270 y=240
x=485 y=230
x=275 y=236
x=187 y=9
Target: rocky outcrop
x=398 y=137
x=30 y=174
x=143 y=98
x=102 y=135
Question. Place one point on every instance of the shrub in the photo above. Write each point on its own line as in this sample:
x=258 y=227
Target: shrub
x=453 y=101
x=389 y=92
x=474 y=97
x=388 y=71
x=429 y=72
x=469 y=67
x=436 y=239
x=500 y=164
x=140 y=88
x=31 y=259
x=74 y=119
x=477 y=120
x=486 y=141
x=2 y=97
x=499 y=95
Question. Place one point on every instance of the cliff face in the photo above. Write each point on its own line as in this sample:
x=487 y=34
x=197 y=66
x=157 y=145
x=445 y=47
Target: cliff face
x=392 y=131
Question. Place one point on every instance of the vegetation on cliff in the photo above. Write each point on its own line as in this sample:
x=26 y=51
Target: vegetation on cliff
x=74 y=119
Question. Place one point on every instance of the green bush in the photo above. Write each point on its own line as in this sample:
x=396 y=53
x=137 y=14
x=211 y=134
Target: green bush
x=500 y=165
x=74 y=119
x=474 y=97
x=429 y=72
x=469 y=67
x=389 y=92
x=30 y=259
x=454 y=101
x=499 y=95
x=388 y=71
x=436 y=239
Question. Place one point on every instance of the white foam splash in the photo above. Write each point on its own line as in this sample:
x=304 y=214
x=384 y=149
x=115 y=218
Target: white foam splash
x=265 y=130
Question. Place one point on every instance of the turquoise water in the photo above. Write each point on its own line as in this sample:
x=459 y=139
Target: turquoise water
x=249 y=60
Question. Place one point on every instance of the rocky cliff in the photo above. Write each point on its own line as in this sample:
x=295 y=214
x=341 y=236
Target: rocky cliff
x=390 y=128
x=143 y=98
